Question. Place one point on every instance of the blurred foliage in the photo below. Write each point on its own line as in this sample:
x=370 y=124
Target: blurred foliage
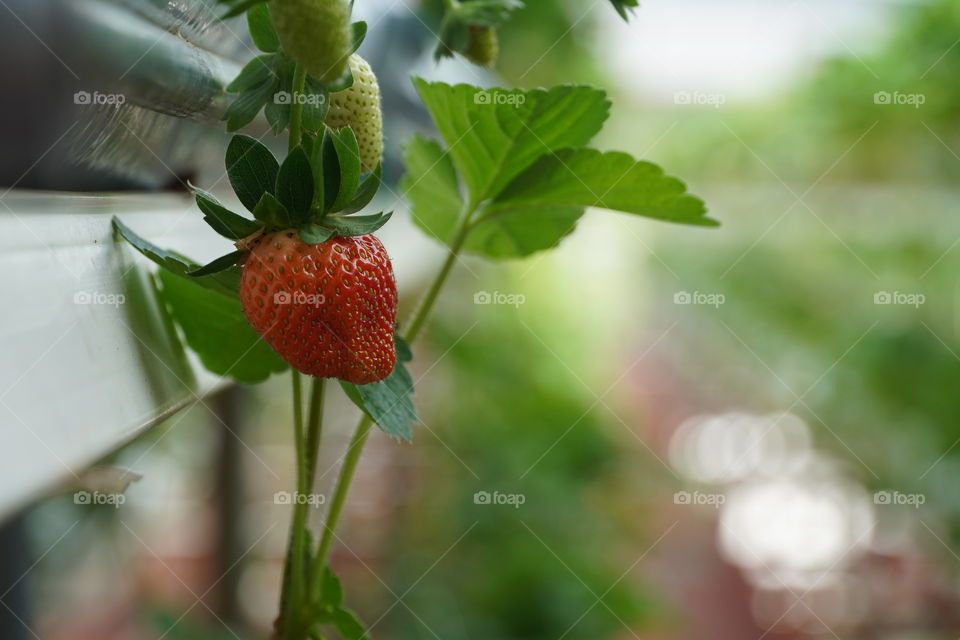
x=527 y=571
x=844 y=120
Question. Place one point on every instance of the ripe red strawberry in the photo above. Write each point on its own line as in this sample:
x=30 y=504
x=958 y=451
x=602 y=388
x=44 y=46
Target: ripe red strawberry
x=327 y=309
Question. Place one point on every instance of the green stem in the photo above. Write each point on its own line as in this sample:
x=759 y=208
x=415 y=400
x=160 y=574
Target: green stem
x=314 y=427
x=295 y=565
x=296 y=105
x=362 y=431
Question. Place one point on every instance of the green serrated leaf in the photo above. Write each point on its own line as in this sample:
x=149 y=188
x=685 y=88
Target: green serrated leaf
x=389 y=402
x=493 y=135
x=215 y=328
x=247 y=105
x=359 y=32
x=222 y=220
x=278 y=115
x=220 y=264
x=262 y=33
x=252 y=170
x=314 y=233
x=272 y=212
x=348 y=159
x=226 y=283
x=356 y=225
x=590 y=178
x=366 y=191
x=294 y=187
x=432 y=188
x=349 y=625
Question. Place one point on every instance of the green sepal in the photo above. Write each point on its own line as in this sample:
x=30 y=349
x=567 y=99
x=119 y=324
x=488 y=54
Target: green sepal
x=225 y=222
x=455 y=28
x=343 y=83
x=252 y=170
x=359 y=33
x=366 y=191
x=255 y=72
x=342 y=146
x=312 y=233
x=225 y=282
x=294 y=186
x=236 y=7
x=262 y=33
x=316 y=105
x=271 y=212
x=248 y=104
x=220 y=264
x=356 y=225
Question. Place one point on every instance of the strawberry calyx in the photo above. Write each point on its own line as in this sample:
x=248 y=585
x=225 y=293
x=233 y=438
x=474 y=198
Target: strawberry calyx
x=315 y=192
x=469 y=28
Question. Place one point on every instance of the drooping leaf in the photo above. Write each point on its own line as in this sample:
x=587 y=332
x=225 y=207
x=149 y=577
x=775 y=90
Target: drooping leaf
x=356 y=225
x=590 y=178
x=294 y=187
x=389 y=402
x=432 y=188
x=222 y=220
x=226 y=282
x=215 y=328
x=252 y=169
x=493 y=135
x=262 y=33
x=220 y=264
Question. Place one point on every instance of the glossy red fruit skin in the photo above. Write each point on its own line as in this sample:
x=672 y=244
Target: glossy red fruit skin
x=327 y=309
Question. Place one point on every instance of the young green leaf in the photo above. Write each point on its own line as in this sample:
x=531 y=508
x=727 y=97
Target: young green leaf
x=493 y=135
x=222 y=220
x=331 y=591
x=220 y=264
x=431 y=186
x=225 y=282
x=389 y=402
x=356 y=225
x=589 y=178
x=252 y=170
x=366 y=191
x=294 y=187
x=215 y=328
x=262 y=33
x=314 y=233
x=272 y=213
x=344 y=143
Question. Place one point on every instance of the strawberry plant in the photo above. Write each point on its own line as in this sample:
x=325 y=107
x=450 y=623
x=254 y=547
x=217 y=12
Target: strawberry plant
x=308 y=286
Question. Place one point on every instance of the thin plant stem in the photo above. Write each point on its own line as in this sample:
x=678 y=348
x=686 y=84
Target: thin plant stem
x=296 y=105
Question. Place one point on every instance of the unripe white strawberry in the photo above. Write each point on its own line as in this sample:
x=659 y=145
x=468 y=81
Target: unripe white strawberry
x=315 y=33
x=359 y=108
